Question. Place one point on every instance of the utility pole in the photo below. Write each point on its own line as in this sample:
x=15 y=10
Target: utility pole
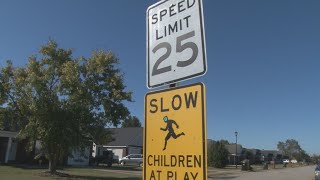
x=236 y=161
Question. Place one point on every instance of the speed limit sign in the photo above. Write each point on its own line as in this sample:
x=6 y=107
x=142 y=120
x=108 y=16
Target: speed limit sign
x=175 y=42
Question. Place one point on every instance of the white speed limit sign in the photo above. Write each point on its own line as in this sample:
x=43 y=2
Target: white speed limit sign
x=175 y=42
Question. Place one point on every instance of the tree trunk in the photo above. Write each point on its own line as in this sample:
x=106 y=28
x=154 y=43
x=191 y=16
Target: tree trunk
x=52 y=166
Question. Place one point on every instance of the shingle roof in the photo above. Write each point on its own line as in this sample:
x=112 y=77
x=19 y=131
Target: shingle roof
x=274 y=152
x=132 y=136
x=253 y=151
x=232 y=148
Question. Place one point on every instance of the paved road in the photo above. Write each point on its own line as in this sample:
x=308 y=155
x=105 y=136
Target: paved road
x=300 y=173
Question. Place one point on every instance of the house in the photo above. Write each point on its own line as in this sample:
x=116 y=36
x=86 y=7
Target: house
x=235 y=151
x=8 y=146
x=271 y=155
x=13 y=149
x=254 y=155
x=79 y=157
x=126 y=141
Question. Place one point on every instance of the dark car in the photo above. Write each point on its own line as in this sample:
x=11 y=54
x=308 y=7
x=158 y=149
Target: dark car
x=106 y=158
x=132 y=159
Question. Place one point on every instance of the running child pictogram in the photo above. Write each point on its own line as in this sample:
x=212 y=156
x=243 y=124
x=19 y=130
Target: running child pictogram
x=171 y=132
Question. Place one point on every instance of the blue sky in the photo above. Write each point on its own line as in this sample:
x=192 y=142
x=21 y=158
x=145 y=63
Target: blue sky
x=263 y=76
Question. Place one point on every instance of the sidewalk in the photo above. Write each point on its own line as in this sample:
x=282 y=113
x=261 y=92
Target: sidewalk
x=226 y=173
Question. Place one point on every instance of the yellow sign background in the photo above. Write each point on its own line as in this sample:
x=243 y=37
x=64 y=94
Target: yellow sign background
x=191 y=121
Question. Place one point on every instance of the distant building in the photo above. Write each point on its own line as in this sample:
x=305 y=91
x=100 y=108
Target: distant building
x=271 y=155
x=126 y=141
x=253 y=155
x=79 y=157
x=8 y=146
x=235 y=153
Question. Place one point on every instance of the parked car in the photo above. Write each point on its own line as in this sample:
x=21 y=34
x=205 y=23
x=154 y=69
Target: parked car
x=132 y=159
x=317 y=172
x=286 y=161
x=106 y=158
x=294 y=161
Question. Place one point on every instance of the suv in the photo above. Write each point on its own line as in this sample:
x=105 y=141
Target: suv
x=132 y=159
x=106 y=158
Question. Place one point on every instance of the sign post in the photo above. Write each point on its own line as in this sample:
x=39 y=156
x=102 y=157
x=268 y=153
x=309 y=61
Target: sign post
x=175 y=42
x=175 y=134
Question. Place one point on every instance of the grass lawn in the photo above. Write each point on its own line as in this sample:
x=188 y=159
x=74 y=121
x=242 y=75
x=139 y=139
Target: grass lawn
x=28 y=173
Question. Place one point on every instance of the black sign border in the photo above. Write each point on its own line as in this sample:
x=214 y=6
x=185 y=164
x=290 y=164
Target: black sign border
x=203 y=49
x=204 y=144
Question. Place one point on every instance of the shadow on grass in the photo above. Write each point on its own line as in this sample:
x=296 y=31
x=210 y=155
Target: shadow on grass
x=103 y=178
x=117 y=167
x=62 y=176
x=28 y=166
x=64 y=173
x=114 y=167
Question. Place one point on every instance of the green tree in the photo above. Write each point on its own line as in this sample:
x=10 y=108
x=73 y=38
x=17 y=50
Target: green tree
x=225 y=142
x=218 y=155
x=292 y=149
x=315 y=158
x=247 y=154
x=131 y=121
x=302 y=156
x=62 y=101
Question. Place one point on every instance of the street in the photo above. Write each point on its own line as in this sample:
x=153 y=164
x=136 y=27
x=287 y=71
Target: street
x=301 y=173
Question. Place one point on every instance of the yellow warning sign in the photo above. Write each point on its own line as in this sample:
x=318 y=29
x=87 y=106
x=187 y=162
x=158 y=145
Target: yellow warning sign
x=175 y=134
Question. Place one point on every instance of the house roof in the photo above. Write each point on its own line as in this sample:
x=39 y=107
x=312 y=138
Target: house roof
x=274 y=152
x=132 y=136
x=253 y=151
x=232 y=148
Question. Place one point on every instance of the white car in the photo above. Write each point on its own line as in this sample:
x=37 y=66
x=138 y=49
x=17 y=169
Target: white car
x=294 y=161
x=132 y=159
x=286 y=161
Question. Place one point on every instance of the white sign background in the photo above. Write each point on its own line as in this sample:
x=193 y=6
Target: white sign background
x=168 y=21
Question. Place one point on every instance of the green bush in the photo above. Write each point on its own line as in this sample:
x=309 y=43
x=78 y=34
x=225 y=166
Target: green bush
x=218 y=155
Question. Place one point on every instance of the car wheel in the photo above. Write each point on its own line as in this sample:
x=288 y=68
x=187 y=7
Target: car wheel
x=122 y=163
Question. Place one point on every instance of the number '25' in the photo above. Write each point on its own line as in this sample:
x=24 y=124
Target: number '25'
x=179 y=48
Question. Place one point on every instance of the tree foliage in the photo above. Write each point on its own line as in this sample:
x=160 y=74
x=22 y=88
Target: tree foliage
x=218 y=155
x=131 y=121
x=315 y=158
x=62 y=101
x=247 y=154
x=225 y=142
x=292 y=149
